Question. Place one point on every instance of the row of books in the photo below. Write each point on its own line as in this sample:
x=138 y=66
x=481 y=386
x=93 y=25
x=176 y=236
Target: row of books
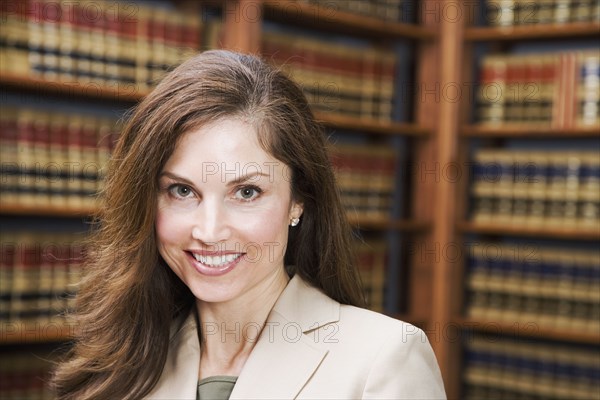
x=536 y=188
x=53 y=158
x=39 y=273
x=557 y=90
x=371 y=259
x=390 y=10
x=114 y=44
x=551 y=287
x=336 y=77
x=530 y=12
x=23 y=375
x=547 y=312
x=507 y=368
x=366 y=178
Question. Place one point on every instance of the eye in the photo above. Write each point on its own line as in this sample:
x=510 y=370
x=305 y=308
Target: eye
x=180 y=191
x=248 y=193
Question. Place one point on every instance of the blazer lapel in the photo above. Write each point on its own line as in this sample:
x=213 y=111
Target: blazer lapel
x=180 y=375
x=287 y=354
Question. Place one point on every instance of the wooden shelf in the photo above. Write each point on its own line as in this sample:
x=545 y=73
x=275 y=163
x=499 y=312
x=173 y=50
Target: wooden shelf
x=330 y=19
x=121 y=92
x=398 y=225
x=46 y=211
x=475 y=131
x=132 y=95
x=529 y=330
x=525 y=230
x=370 y=126
x=539 y=31
x=34 y=332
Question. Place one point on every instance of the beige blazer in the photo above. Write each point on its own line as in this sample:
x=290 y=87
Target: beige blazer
x=314 y=348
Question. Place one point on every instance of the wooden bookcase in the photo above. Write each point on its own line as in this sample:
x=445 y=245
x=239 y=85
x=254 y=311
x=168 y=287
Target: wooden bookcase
x=437 y=137
x=465 y=38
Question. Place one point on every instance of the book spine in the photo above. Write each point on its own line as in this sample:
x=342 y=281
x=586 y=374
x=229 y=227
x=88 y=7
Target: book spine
x=587 y=96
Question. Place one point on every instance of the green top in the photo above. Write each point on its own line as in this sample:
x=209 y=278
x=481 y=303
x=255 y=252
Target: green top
x=217 y=387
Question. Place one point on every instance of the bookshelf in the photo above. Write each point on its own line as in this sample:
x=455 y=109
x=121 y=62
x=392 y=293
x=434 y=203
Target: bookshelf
x=487 y=287
x=439 y=133
x=244 y=34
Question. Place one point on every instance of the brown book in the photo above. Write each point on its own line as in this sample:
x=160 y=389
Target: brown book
x=9 y=145
x=492 y=94
x=8 y=253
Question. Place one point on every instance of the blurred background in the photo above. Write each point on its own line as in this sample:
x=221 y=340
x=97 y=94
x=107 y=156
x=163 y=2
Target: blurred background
x=464 y=135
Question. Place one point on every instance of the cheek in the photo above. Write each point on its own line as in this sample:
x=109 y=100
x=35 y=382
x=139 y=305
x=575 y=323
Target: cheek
x=168 y=230
x=266 y=233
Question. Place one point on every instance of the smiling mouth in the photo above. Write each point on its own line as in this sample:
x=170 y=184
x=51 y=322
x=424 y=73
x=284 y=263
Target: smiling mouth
x=217 y=261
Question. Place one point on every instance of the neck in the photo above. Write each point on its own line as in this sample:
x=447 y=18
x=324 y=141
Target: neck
x=231 y=329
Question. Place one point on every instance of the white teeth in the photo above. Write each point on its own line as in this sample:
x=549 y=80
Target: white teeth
x=216 y=261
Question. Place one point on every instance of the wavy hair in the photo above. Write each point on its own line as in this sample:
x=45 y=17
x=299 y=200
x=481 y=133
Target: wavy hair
x=129 y=293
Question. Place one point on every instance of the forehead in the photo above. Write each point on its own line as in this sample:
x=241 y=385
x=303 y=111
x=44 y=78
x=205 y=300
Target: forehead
x=227 y=145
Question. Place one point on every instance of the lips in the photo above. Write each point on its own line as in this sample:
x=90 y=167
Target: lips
x=214 y=263
x=216 y=260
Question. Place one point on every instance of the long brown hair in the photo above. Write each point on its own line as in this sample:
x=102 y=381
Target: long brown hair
x=129 y=293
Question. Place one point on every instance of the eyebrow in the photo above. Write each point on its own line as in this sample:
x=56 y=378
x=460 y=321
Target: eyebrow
x=237 y=181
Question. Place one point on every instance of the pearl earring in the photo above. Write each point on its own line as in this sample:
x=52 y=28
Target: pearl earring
x=295 y=221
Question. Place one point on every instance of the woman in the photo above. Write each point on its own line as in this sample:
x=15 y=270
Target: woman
x=222 y=266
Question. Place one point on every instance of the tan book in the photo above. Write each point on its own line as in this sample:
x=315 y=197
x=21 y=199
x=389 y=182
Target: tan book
x=586 y=89
x=59 y=160
x=41 y=157
x=8 y=252
x=503 y=187
x=26 y=157
x=9 y=137
x=556 y=189
x=537 y=188
x=491 y=95
x=75 y=168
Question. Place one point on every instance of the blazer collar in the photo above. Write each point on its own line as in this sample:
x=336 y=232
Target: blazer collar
x=306 y=306
x=180 y=374
x=284 y=358
x=286 y=354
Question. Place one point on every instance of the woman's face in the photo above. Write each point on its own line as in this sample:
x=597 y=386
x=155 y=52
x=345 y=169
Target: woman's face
x=224 y=209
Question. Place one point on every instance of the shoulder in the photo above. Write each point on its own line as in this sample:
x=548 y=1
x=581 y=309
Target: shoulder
x=401 y=361
x=375 y=357
x=384 y=339
x=371 y=324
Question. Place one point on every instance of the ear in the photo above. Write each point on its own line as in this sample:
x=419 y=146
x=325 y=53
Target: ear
x=296 y=209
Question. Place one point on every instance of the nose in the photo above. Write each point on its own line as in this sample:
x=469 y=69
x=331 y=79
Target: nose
x=210 y=222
